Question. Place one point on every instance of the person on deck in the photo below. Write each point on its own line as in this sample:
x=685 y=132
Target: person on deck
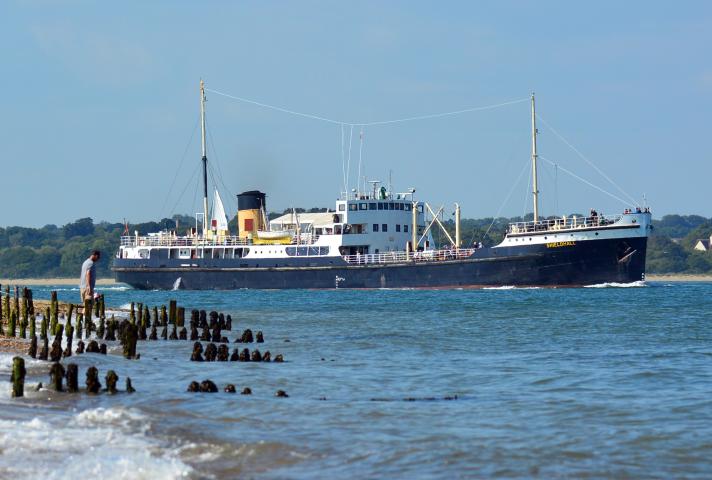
x=88 y=278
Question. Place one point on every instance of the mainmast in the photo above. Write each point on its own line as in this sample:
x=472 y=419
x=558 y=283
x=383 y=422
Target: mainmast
x=535 y=189
x=205 y=158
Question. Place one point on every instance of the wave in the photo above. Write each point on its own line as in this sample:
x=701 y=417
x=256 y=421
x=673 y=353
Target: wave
x=103 y=442
x=638 y=284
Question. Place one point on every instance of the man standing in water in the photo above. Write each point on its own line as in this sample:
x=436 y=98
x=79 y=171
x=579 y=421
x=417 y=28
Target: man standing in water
x=88 y=280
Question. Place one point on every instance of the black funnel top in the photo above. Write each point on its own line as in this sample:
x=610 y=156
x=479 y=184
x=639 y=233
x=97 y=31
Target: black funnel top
x=252 y=200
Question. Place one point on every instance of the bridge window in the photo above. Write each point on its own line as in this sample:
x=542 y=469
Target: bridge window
x=397 y=228
x=342 y=207
x=323 y=250
x=405 y=228
x=353 y=207
x=372 y=206
x=391 y=206
x=408 y=207
x=363 y=206
x=375 y=227
x=380 y=205
x=384 y=227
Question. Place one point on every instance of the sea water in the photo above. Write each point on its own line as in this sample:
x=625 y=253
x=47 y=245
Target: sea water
x=514 y=383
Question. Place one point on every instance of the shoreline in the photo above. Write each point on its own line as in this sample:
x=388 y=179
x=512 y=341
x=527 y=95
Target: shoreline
x=678 y=277
x=54 y=281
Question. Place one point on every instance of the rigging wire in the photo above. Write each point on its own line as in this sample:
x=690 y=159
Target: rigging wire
x=360 y=156
x=190 y=179
x=343 y=157
x=576 y=150
x=233 y=201
x=511 y=190
x=182 y=160
x=624 y=202
x=348 y=164
x=367 y=124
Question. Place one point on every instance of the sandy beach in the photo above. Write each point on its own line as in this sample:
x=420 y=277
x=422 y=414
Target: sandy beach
x=52 y=281
x=678 y=277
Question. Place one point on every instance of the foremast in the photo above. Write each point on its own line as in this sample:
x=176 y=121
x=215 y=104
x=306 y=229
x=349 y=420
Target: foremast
x=535 y=185
x=204 y=158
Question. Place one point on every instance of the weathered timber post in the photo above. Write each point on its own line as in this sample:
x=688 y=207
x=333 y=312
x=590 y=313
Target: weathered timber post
x=32 y=352
x=129 y=387
x=44 y=352
x=11 y=325
x=164 y=316
x=92 y=382
x=18 y=377
x=55 y=354
x=180 y=319
x=72 y=376
x=172 y=306
x=56 y=375
x=111 y=379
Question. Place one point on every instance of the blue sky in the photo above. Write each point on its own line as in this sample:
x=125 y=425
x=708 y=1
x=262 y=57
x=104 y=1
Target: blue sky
x=100 y=102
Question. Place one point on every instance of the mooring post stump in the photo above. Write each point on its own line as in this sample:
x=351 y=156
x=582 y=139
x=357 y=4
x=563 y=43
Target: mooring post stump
x=235 y=355
x=228 y=322
x=260 y=337
x=56 y=375
x=102 y=329
x=247 y=336
x=102 y=303
x=18 y=377
x=172 y=311
x=154 y=334
x=111 y=330
x=87 y=314
x=256 y=357
x=194 y=387
x=266 y=357
x=221 y=321
x=97 y=306
x=194 y=318
x=202 y=319
x=139 y=314
x=68 y=349
x=44 y=351
x=205 y=336
x=129 y=387
x=223 y=353
x=129 y=341
x=12 y=324
x=111 y=379
x=164 y=316
x=197 y=352
x=207 y=386
x=281 y=394
x=164 y=332
x=246 y=391
x=102 y=349
x=80 y=325
x=213 y=319
x=32 y=351
x=80 y=348
x=93 y=384
x=211 y=351
x=245 y=355
x=55 y=354
x=54 y=311
x=174 y=333
x=230 y=388
x=93 y=347
x=183 y=334
x=194 y=333
x=72 y=376
x=33 y=326
x=279 y=358
x=216 y=336
x=132 y=313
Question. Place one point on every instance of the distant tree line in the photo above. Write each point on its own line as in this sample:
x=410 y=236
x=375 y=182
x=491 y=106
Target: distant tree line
x=53 y=251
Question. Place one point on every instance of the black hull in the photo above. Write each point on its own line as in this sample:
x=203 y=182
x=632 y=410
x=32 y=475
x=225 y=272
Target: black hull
x=584 y=263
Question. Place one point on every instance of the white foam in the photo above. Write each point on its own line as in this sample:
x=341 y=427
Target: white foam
x=96 y=443
x=639 y=283
x=503 y=287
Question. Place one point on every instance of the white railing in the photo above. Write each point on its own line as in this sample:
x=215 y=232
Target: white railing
x=563 y=223
x=400 y=257
x=228 y=241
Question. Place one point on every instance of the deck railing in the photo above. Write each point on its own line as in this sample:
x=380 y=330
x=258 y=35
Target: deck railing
x=217 y=241
x=563 y=223
x=401 y=257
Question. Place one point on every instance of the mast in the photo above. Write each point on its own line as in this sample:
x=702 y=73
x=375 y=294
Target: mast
x=205 y=158
x=535 y=189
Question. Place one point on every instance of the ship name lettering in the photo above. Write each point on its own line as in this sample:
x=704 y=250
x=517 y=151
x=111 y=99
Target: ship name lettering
x=560 y=244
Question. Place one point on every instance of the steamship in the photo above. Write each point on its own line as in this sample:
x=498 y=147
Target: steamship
x=379 y=239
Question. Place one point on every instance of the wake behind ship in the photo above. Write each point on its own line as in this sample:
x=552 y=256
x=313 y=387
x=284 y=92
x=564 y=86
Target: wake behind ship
x=380 y=239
